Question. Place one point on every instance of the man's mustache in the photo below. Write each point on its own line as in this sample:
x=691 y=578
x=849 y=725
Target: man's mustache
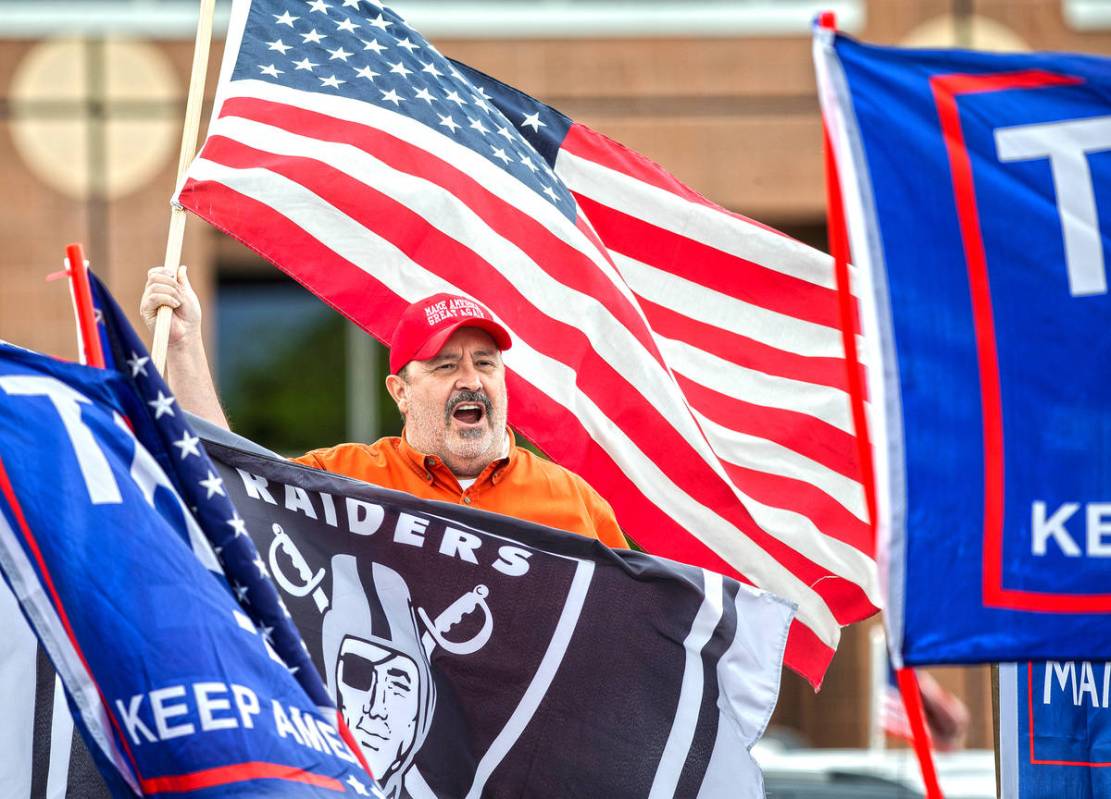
x=466 y=396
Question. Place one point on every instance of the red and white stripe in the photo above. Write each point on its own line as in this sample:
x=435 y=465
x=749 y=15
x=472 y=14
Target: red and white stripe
x=690 y=368
x=893 y=715
x=748 y=321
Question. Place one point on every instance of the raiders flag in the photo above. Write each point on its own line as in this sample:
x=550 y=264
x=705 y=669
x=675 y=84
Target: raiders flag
x=475 y=655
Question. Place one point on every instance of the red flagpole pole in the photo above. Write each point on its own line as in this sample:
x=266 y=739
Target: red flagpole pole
x=89 y=335
x=840 y=250
x=920 y=734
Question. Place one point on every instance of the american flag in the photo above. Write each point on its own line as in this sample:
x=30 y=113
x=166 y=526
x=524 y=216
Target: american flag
x=946 y=717
x=685 y=360
x=892 y=712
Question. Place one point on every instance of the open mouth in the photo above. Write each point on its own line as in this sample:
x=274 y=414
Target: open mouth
x=468 y=412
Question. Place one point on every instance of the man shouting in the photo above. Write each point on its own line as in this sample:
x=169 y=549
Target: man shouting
x=448 y=380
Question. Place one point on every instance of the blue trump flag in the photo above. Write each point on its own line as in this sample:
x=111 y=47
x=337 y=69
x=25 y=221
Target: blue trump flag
x=180 y=663
x=977 y=191
x=1055 y=730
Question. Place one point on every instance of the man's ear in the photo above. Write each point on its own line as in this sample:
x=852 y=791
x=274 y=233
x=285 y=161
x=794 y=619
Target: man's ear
x=399 y=390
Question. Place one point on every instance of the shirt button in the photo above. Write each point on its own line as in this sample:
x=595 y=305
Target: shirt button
x=467 y=500
x=431 y=461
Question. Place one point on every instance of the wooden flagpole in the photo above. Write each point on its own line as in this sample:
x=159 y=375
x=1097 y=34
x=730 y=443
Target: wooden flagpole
x=193 y=106
x=841 y=251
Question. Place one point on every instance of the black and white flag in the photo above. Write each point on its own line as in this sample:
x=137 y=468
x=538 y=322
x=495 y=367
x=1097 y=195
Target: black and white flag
x=475 y=655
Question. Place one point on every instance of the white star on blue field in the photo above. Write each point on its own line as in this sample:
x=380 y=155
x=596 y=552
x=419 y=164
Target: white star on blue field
x=363 y=51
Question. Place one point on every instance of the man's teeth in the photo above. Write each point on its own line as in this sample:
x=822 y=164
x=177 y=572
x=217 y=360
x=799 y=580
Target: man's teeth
x=468 y=412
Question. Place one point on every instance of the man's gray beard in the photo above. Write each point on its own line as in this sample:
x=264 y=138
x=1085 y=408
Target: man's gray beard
x=470 y=442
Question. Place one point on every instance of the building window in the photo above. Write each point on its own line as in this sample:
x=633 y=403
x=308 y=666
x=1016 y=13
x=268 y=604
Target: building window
x=292 y=373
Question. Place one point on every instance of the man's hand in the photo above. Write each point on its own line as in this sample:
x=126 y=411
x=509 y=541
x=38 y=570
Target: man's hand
x=186 y=363
x=162 y=289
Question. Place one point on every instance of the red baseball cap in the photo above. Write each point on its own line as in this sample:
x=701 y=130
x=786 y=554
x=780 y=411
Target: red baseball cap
x=426 y=325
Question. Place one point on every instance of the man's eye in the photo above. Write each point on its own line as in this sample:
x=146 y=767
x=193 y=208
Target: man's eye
x=444 y=367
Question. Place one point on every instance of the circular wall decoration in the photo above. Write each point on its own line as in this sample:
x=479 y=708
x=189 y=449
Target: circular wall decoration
x=984 y=34
x=95 y=116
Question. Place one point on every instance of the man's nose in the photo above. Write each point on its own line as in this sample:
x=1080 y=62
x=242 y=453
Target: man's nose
x=468 y=377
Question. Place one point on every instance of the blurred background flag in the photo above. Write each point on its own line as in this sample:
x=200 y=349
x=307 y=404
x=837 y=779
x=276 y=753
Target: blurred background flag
x=1055 y=729
x=892 y=712
x=946 y=716
x=182 y=669
x=985 y=309
x=687 y=361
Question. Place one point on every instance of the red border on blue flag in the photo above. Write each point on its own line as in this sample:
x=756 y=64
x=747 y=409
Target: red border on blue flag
x=946 y=89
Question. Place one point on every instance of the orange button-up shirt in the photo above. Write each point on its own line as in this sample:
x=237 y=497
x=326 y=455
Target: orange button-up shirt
x=520 y=485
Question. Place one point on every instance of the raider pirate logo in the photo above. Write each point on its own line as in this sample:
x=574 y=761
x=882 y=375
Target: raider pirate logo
x=378 y=670
x=376 y=648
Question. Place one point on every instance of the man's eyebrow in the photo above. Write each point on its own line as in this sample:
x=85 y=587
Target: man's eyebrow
x=399 y=672
x=442 y=357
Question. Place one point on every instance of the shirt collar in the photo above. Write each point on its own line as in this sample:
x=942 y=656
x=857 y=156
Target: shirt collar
x=423 y=462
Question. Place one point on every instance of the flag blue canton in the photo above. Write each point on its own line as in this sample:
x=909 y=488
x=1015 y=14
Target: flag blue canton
x=545 y=138
x=364 y=51
x=196 y=481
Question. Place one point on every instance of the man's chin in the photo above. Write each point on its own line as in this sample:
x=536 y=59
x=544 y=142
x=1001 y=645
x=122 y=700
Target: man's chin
x=470 y=442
